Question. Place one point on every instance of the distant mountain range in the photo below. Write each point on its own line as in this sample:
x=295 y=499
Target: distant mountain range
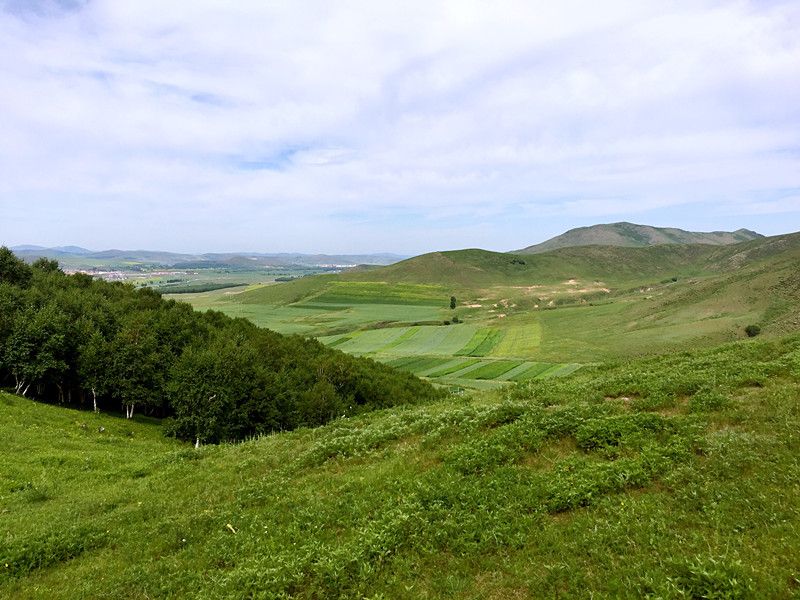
x=76 y=255
x=633 y=235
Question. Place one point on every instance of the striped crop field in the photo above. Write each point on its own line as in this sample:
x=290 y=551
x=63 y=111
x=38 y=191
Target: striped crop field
x=482 y=342
x=350 y=292
x=474 y=369
x=519 y=341
x=451 y=366
x=404 y=341
x=494 y=369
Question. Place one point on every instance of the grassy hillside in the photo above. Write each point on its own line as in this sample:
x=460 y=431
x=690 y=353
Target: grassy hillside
x=633 y=235
x=669 y=477
x=565 y=307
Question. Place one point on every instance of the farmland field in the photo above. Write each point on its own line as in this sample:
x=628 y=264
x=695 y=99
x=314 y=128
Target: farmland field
x=368 y=319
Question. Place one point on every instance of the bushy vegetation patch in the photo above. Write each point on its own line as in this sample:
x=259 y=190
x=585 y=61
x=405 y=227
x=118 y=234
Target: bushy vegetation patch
x=18 y=557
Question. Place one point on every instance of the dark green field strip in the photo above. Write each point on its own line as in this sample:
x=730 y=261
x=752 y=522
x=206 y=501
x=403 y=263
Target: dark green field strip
x=518 y=370
x=466 y=371
x=494 y=369
x=339 y=341
x=452 y=366
x=477 y=338
x=425 y=363
x=319 y=306
x=399 y=363
x=535 y=370
x=406 y=335
x=382 y=293
x=488 y=344
x=482 y=342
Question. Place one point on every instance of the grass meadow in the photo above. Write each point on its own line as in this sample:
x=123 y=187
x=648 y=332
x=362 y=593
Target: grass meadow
x=667 y=477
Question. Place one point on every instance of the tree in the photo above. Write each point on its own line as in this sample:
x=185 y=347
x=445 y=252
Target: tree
x=13 y=270
x=219 y=392
x=35 y=349
x=94 y=365
x=452 y=302
x=137 y=372
x=46 y=265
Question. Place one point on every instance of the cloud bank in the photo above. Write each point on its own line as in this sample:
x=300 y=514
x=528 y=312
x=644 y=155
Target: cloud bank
x=408 y=126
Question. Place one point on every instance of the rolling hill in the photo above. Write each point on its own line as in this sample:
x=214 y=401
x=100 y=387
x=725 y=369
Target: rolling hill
x=475 y=269
x=632 y=235
x=570 y=305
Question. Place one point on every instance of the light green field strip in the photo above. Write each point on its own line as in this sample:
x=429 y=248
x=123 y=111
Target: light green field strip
x=448 y=366
x=535 y=370
x=338 y=341
x=399 y=363
x=493 y=369
x=427 y=341
x=452 y=366
x=518 y=370
x=549 y=372
x=329 y=339
x=369 y=341
x=564 y=370
x=427 y=363
x=407 y=335
x=454 y=339
x=520 y=341
x=476 y=384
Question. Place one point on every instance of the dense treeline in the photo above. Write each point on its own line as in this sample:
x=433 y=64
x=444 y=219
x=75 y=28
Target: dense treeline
x=88 y=342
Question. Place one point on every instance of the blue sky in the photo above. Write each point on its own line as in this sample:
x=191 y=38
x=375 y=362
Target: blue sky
x=401 y=127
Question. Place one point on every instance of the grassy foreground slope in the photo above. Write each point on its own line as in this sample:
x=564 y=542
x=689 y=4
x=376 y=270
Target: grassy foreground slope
x=671 y=477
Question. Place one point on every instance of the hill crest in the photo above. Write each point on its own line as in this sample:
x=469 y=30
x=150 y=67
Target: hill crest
x=626 y=234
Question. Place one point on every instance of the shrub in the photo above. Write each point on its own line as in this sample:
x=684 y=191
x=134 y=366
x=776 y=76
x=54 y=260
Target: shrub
x=752 y=330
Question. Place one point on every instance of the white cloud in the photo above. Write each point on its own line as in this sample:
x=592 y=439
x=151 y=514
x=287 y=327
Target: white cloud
x=447 y=110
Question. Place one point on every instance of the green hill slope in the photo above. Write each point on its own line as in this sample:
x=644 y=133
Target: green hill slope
x=633 y=235
x=668 y=477
x=572 y=305
x=474 y=268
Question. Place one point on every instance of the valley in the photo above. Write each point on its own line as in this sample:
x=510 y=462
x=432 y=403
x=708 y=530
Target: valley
x=524 y=316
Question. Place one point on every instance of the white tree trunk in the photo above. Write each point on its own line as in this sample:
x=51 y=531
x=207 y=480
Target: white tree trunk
x=94 y=400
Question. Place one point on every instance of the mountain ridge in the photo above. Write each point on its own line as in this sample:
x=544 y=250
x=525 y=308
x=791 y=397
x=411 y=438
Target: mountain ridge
x=633 y=235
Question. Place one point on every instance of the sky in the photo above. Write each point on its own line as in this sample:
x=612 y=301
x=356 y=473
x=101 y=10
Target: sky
x=406 y=127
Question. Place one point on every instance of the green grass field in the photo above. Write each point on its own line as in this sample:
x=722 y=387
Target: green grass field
x=668 y=477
